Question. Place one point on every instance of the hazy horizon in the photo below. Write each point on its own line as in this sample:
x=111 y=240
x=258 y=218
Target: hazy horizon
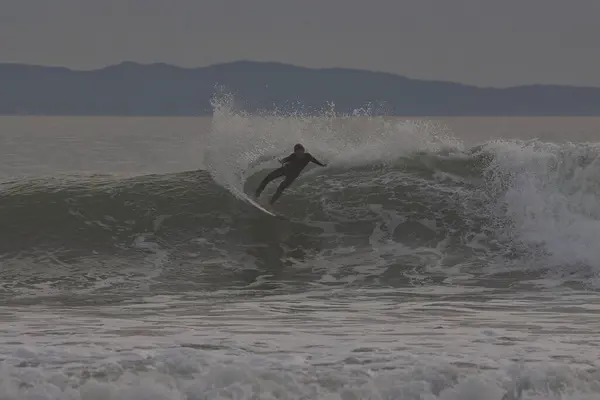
x=473 y=42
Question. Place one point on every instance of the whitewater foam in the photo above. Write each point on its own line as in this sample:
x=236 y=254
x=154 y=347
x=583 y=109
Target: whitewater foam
x=550 y=194
x=351 y=344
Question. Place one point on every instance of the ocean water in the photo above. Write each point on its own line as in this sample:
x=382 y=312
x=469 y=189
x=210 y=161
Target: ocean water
x=453 y=259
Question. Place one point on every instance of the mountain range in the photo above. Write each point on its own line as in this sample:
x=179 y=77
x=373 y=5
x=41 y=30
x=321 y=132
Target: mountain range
x=132 y=89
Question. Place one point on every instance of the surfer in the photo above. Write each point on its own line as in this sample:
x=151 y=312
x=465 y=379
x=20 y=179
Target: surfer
x=292 y=166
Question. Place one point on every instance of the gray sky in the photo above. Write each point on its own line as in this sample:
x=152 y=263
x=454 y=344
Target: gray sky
x=483 y=42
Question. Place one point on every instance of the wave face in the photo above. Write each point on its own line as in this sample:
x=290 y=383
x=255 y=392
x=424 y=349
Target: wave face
x=400 y=202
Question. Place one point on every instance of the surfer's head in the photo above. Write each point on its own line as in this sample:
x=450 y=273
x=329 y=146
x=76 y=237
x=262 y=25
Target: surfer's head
x=299 y=149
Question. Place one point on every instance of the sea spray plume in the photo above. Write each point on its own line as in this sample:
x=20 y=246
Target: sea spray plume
x=240 y=143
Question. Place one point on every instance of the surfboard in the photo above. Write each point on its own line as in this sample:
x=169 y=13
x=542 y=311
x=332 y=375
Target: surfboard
x=247 y=199
x=255 y=204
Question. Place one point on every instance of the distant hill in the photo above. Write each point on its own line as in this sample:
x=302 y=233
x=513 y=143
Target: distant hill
x=165 y=90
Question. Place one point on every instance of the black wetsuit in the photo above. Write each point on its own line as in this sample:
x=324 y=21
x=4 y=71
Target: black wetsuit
x=292 y=166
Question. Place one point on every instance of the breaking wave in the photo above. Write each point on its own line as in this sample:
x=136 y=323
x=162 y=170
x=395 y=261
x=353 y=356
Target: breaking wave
x=396 y=197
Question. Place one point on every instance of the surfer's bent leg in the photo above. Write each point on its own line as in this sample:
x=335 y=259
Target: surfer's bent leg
x=273 y=175
x=282 y=186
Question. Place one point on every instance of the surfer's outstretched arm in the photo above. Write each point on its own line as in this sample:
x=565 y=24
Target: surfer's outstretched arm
x=317 y=161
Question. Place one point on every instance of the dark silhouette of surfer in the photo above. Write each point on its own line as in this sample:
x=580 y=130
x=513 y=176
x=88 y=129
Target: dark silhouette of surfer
x=292 y=166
